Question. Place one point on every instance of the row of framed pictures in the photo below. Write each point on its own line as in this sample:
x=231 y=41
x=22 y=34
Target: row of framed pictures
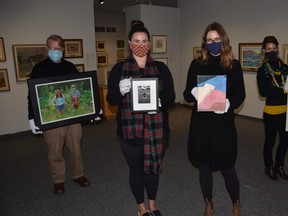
x=249 y=55
x=101 y=46
x=27 y=55
x=102 y=57
x=4 y=79
x=159 y=44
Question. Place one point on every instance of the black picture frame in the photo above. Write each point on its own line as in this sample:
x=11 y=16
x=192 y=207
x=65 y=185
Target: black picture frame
x=144 y=94
x=48 y=115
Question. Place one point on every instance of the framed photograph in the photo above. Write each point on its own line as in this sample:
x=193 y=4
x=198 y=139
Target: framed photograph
x=120 y=53
x=102 y=59
x=100 y=46
x=144 y=92
x=120 y=44
x=285 y=53
x=64 y=100
x=197 y=52
x=2 y=50
x=164 y=60
x=249 y=56
x=80 y=67
x=25 y=57
x=159 y=43
x=4 y=81
x=73 y=48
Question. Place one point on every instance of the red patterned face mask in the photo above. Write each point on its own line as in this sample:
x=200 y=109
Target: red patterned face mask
x=140 y=50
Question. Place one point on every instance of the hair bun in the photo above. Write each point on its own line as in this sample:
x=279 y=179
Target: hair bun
x=137 y=24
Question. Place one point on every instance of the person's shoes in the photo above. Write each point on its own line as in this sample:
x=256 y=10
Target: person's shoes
x=279 y=170
x=271 y=173
x=156 y=213
x=209 y=208
x=236 y=209
x=59 y=188
x=82 y=181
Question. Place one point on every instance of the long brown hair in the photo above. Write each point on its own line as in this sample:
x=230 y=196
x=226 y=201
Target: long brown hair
x=225 y=53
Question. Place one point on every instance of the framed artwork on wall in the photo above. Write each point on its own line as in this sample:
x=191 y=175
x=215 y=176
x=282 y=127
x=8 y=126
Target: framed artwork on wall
x=80 y=67
x=196 y=52
x=100 y=46
x=102 y=59
x=4 y=81
x=120 y=44
x=73 y=48
x=120 y=53
x=44 y=91
x=249 y=56
x=285 y=53
x=25 y=57
x=159 y=43
x=2 y=50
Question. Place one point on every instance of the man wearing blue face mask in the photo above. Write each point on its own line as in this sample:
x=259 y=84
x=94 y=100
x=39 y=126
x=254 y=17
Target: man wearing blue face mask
x=57 y=138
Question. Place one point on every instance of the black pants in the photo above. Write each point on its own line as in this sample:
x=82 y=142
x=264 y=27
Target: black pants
x=138 y=180
x=230 y=178
x=274 y=124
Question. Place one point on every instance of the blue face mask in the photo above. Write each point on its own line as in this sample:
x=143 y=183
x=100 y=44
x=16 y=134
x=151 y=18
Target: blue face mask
x=55 y=55
x=214 y=48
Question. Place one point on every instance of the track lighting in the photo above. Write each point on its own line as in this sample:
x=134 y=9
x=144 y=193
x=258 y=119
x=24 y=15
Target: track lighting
x=101 y=2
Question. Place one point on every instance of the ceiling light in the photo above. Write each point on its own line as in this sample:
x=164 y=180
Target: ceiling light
x=101 y=2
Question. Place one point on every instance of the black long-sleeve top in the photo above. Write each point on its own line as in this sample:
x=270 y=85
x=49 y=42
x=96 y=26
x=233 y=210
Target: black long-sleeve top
x=213 y=137
x=167 y=96
x=276 y=96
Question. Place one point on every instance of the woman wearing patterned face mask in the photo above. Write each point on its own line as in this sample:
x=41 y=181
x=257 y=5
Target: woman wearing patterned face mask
x=271 y=77
x=212 y=144
x=143 y=136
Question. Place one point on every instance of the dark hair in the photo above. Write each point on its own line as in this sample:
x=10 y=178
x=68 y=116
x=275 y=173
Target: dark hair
x=226 y=52
x=138 y=26
x=269 y=39
x=57 y=38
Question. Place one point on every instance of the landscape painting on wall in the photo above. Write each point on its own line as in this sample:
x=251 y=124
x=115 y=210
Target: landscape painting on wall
x=249 y=56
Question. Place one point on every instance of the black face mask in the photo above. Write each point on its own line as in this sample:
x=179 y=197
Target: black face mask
x=271 y=56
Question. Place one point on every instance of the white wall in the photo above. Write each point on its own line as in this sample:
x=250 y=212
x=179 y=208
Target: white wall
x=162 y=21
x=31 y=22
x=244 y=21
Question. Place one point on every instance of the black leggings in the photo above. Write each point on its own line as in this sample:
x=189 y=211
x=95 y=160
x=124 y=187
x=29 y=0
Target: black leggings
x=230 y=178
x=274 y=124
x=138 y=180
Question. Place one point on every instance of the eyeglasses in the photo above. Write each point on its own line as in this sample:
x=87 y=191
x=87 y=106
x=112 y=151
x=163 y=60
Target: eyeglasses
x=210 y=41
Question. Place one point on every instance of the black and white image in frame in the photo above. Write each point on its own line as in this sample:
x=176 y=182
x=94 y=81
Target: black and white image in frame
x=144 y=94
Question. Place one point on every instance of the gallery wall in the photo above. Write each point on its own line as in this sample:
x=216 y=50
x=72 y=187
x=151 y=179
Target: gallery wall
x=31 y=22
x=245 y=22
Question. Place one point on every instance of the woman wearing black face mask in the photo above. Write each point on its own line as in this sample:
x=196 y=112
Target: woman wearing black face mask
x=212 y=144
x=271 y=78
